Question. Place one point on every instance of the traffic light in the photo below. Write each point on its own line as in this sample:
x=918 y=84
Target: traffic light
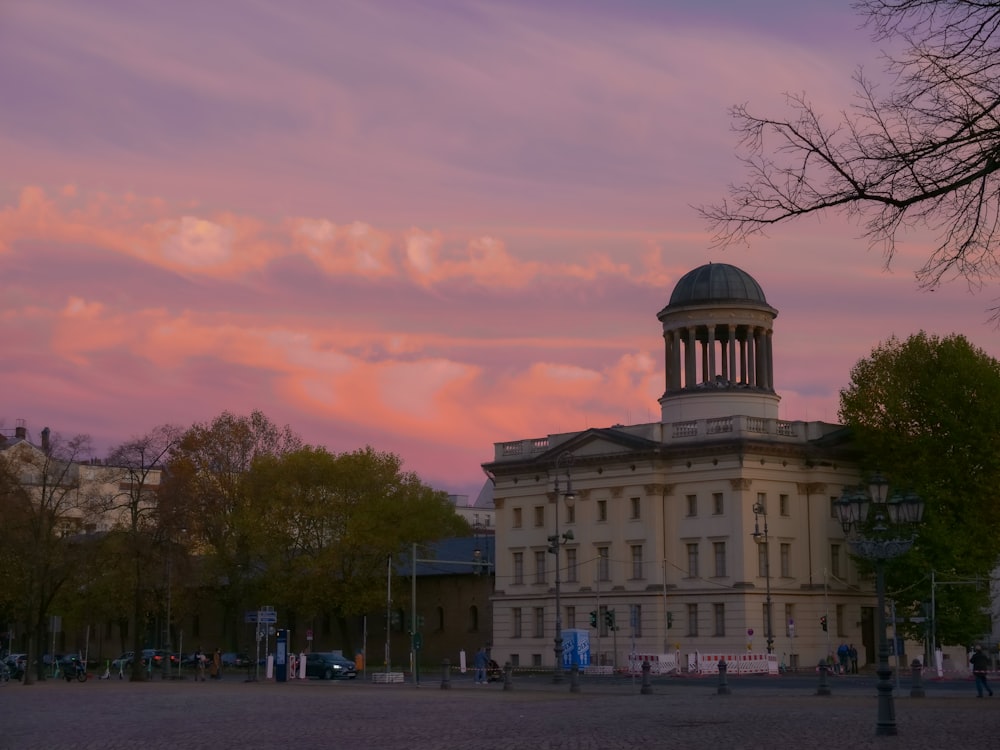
x=593 y=618
x=553 y=544
x=609 y=618
x=822 y=622
x=670 y=620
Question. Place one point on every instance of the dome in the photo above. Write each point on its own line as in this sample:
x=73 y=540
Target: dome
x=716 y=282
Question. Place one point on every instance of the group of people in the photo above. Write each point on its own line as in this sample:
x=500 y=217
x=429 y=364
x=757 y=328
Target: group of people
x=203 y=663
x=847 y=658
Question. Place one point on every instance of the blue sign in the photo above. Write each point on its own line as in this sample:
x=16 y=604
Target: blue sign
x=576 y=648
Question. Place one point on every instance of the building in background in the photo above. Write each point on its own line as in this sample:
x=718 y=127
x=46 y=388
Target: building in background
x=663 y=519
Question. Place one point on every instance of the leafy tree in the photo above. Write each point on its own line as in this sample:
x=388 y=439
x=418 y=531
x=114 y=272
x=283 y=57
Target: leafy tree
x=41 y=510
x=926 y=413
x=206 y=483
x=925 y=155
x=144 y=528
x=334 y=522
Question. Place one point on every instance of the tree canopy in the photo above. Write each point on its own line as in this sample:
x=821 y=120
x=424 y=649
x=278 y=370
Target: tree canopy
x=926 y=413
x=924 y=155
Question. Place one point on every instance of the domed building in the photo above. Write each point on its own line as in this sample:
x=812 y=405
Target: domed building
x=677 y=535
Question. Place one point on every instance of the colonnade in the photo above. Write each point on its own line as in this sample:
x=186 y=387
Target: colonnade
x=720 y=355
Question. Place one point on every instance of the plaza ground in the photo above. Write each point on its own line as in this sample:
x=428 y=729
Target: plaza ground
x=114 y=715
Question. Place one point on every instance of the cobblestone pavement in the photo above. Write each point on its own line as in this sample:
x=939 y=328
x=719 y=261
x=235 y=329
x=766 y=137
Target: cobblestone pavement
x=114 y=715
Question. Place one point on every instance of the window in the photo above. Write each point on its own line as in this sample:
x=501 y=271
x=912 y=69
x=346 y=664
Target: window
x=518 y=567
x=635 y=620
x=784 y=507
x=692 y=549
x=517 y=518
x=717 y=504
x=786 y=560
x=539 y=622
x=473 y=619
x=692 y=505
x=540 y=566
x=692 y=612
x=570 y=514
x=570 y=621
x=841 y=617
x=571 y=565
x=833 y=508
x=789 y=619
x=602 y=510
x=835 y=561
x=515 y=615
x=762 y=500
x=636 y=561
x=515 y=660
x=720 y=558
x=763 y=627
x=536 y=660
x=636 y=513
x=539 y=515
x=603 y=564
x=762 y=559
x=719 y=614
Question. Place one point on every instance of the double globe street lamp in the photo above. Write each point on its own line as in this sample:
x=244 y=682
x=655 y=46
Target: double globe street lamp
x=555 y=542
x=879 y=530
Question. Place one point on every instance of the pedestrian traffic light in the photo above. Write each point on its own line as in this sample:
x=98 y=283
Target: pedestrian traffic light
x=593 y=618
x=822 y=622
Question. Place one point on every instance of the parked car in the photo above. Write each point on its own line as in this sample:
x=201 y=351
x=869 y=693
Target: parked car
x=16 y=664
x=234 y=659
x=329 y=666
x=148 y=654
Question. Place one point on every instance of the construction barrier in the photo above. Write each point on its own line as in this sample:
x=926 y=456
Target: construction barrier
x=740 y=663
x=658 y=663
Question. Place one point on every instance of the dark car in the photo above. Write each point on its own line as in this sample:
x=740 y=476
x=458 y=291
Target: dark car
x=238 y=660
x=330 y=666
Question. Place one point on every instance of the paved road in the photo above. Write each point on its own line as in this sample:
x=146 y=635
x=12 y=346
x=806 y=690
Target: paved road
x=114 y=715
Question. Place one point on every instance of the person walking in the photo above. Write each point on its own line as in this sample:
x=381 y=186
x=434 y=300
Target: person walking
x=480 y=663
x=980 y=663
x=199 y=664
x=216 y=669
x=843 y=653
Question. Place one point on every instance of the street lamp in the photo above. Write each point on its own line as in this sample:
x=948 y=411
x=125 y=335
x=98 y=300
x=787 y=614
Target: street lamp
x=880 y=538
x=555 y=542
x=761 y=538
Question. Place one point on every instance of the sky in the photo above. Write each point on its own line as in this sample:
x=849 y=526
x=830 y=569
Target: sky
x=427 y=226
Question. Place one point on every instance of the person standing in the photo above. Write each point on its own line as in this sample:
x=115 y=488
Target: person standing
x=852 y=652
x=843 y=653
x=216 y=669
x=980 y=663
x=480 y=665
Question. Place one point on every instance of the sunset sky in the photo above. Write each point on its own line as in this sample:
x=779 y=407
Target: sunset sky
x=420 y=225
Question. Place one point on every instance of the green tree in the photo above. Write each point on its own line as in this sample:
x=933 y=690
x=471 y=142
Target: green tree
x=926 y=413
x=926 y=155
x=207 y=486
x=334 y=522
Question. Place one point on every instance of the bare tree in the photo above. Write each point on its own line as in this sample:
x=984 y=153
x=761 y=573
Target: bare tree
x=134 y=470
x=926 y=155
x=41 y=510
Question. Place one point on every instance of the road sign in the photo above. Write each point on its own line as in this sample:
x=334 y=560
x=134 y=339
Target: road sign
x=309 y=634
x=267 y=616
x=250 y=616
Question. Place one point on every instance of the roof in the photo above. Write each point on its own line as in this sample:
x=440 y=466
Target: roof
x=451 y=556
x=717 y=282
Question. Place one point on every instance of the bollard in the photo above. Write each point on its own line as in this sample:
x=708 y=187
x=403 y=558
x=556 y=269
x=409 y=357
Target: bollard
x=723 y=683
x=917 y=671
x=446 y=674
x=574 y=679
x=824 y=682
x=647 y=683
x=507 y=684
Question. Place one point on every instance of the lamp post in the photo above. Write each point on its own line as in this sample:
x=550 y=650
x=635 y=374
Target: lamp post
x=880 y=538
x=555 y=542
x=762 y=541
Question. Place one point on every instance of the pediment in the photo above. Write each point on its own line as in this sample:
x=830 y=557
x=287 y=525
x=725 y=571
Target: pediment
x=598 y=442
